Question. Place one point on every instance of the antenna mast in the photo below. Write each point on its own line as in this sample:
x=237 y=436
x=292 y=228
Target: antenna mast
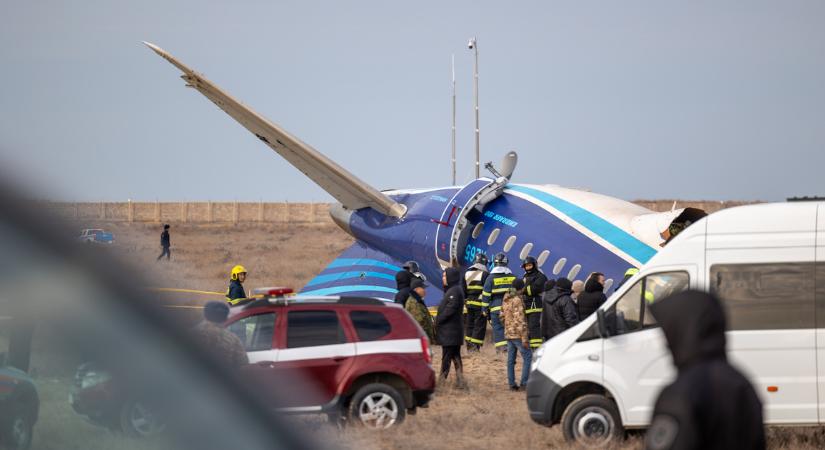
x=473 y=45
x=453 y=136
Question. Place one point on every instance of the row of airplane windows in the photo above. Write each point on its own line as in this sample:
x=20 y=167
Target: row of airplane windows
x=528 y=247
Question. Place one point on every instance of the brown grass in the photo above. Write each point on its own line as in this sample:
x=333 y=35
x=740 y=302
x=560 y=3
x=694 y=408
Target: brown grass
x=487 y=415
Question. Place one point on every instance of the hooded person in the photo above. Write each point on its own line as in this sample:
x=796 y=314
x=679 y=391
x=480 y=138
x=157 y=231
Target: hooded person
x=403 y=278
x=450 y=324
x=418 y=309
x=593 y=296
x=559 y=311
x=711 y=405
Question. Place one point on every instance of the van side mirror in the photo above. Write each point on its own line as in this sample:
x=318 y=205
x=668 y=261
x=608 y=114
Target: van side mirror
x=602 y=324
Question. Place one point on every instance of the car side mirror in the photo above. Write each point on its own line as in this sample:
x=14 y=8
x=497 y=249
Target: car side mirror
x=602 y=324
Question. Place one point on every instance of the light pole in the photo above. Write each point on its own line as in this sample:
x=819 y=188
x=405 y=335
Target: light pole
x=453 y=136
x=473 y=45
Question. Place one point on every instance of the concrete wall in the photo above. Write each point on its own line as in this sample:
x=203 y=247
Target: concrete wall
x=194 y=212
x=248 y=212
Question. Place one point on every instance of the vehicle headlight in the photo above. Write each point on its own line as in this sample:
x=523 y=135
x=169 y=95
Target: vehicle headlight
x=92 y=379
x=536 y=358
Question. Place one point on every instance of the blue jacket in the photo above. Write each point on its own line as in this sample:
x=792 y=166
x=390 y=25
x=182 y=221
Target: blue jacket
x=498 y=283
x=235 y=294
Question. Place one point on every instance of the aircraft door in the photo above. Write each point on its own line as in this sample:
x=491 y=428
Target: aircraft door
x=453 y=222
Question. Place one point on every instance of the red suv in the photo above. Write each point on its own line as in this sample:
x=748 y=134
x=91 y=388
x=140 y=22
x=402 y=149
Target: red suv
x=348 y=357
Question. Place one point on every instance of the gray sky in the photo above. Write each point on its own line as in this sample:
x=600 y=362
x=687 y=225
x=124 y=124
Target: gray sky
x=654 y=99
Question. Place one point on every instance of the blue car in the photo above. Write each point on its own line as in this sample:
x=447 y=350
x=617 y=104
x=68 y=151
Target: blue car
x=19 y=408
x=96 y=236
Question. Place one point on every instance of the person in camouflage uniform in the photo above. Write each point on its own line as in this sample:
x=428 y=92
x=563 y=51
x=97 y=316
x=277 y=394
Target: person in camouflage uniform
x=225 y=346
x=516 y=334
x=418 y=309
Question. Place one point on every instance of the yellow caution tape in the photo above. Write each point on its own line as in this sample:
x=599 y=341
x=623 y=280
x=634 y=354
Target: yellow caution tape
x=188 y=291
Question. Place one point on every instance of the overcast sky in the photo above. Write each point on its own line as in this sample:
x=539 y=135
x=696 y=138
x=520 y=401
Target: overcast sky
x=654 y=99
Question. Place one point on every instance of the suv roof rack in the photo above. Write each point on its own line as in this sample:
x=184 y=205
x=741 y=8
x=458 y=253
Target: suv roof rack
x=298 y=300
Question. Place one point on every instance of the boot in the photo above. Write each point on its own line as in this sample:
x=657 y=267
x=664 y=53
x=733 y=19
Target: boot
x=460 y=381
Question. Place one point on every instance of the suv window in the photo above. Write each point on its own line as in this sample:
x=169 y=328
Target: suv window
x=256 y=332
x=370 y=325
x=311 y=328
x=765 y=296
x=630 y=313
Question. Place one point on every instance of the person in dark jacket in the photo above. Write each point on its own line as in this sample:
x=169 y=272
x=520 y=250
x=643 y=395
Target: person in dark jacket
x=559 y=311
x=402 y=281
x=534 y=281
x=592 y=297
x=165 y=244
x=449 y=326
x=711 y=405
x=235 y=293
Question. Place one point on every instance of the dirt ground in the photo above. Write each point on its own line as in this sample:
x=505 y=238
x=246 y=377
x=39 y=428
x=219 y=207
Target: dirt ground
x=487 y=415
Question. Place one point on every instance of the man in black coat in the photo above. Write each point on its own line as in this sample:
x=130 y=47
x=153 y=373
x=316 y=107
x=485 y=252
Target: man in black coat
x=165 y=243
x=449 y=325
x=710 y=405
x=593 y=296
x=402 y=280
x=559 y=310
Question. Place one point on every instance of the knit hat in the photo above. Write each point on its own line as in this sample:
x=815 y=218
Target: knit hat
x=564 y=284
x=518 y=284
x=216 y=312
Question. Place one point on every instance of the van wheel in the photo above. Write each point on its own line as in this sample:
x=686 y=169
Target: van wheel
x=592 y=420
x=377 y=406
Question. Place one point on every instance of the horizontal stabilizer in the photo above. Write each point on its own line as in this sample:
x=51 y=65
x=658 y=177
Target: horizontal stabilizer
x=337 y=181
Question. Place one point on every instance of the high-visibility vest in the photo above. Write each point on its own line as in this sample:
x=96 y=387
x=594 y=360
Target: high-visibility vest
x=475 y=278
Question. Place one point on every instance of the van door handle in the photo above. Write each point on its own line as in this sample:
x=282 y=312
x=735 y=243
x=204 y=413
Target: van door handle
x=593 y=357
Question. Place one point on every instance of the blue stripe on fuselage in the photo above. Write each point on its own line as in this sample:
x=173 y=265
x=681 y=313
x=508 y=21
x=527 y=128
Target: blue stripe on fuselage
x=330 y=277
x=621 y=239
x=348 y=289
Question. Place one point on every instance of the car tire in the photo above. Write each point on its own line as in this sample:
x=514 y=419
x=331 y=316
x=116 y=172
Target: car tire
x=138 y=420
x=18 y=432
x=592 y=421
x=377 y=406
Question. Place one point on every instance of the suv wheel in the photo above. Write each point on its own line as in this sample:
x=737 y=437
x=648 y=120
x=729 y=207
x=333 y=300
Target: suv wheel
x=17 y=432
x=137 y=419
x=377 y=406
x=592 y=420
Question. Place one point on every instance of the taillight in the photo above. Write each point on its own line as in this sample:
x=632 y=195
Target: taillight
x=425 y=349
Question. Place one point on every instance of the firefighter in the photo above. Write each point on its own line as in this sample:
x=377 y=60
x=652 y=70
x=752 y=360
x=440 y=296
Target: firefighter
x=236 y=294
x=476 y=323
x=498 y=283
x=534 y=280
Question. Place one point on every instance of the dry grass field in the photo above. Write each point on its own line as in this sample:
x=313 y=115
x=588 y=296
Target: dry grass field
x=487 y=415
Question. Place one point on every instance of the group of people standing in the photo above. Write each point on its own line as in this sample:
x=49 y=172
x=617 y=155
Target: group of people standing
x=523 y=311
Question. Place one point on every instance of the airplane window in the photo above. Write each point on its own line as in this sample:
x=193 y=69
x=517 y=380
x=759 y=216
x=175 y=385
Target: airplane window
x=608 y=284
x=477 y=230
x=493 y=236
x=543 y=257
x=574 y=271
x=559 y=265
x=509 y=244
x=525 y=251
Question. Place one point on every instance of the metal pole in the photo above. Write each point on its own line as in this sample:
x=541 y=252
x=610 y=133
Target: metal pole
x=453 y=137
x=474 y=46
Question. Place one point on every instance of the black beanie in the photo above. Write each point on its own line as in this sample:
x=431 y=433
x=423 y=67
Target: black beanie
x=216 y=311
x=518 y=284
x=564 y=284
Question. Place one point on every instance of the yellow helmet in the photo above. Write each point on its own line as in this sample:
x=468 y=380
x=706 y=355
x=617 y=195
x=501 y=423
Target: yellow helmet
x=236 y=270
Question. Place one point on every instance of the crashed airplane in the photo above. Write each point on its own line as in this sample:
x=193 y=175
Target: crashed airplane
x=571 y=232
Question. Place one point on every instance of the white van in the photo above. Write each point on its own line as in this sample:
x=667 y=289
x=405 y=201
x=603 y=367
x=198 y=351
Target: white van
x=765 y=262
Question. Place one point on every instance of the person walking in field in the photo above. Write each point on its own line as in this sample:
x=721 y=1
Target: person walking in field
x=418 y=309
x=517 y=334
x=165 y=243
x=450 y=325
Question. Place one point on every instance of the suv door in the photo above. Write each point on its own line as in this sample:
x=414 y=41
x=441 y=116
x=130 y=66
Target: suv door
x=257 y=333
x=315 y=357
x=637 y=363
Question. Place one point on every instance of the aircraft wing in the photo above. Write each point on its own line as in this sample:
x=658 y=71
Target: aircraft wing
x=363 y=271
x=337 y=181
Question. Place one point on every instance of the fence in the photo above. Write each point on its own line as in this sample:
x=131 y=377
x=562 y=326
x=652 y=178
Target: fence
x=193 y=212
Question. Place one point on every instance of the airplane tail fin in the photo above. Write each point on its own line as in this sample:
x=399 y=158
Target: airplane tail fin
x=352 y=192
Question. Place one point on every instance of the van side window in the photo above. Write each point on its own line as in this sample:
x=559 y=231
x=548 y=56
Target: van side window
x=765 y=296
x=631 y=314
